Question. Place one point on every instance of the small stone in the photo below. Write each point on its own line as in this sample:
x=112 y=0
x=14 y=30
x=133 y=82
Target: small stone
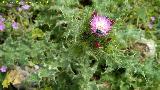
x=36 y=67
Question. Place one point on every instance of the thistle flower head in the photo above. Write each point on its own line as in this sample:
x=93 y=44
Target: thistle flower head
x=100 y=25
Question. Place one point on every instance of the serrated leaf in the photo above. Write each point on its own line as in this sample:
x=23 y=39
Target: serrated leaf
x=37 y=33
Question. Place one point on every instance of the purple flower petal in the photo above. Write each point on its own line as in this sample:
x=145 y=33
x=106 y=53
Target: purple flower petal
x=25 y=7
x=3 y=69
x=2 y=26
x=15 y=25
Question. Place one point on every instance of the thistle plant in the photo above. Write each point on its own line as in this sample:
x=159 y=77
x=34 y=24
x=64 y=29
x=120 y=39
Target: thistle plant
x=66 y=45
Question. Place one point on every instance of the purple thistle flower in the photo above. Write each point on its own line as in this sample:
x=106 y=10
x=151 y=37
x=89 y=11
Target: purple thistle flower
x=15 y=25
x=100 y=25
x=25 y=7
x=3 y=69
